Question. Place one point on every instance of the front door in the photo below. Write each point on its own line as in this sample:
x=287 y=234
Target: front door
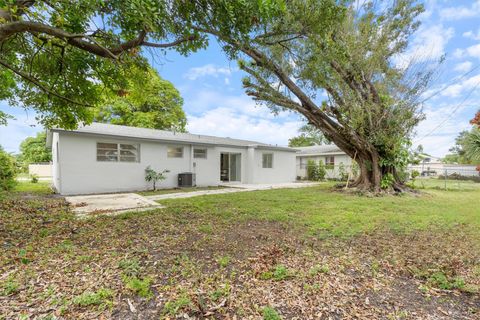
x=230 y=167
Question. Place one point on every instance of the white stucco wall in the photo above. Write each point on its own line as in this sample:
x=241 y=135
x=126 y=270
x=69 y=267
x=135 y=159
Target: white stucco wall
x=331 y=173
x=283 y=169
x=77 y=171
x=55 y=161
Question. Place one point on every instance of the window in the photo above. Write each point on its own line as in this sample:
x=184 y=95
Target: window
x=330 y=161
x=175 y=152
x=303 y=163
x=267 y=160
x=115 y=152
x=200 y=153
x=129 y=153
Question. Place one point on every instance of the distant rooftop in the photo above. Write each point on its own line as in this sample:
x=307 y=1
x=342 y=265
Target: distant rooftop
x=167 y=136
x=319 y=150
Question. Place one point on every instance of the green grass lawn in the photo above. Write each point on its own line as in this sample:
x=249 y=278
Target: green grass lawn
x=326 y=213
x=259 y=254
x=39 y=188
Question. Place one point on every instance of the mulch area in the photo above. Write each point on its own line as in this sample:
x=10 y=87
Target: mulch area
x=49 y=259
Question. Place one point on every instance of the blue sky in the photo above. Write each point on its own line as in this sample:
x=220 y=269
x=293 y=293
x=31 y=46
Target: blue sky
x=216 y=104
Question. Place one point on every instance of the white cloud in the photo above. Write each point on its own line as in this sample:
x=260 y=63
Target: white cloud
x=428 y=44
x=438 y=139
x=474 y=51
x=459 y=53
x=460 y=88
x=472 y=35
x=238 y=116
x=461 y=12
x=463 y=67
x=207 y=70
x=227 y=122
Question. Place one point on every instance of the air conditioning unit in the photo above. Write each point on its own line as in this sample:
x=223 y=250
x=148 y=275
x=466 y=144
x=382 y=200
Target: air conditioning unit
x=186 y=179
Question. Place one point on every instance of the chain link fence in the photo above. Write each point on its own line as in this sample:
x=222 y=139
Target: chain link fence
x=445 y=177
x=439 y=176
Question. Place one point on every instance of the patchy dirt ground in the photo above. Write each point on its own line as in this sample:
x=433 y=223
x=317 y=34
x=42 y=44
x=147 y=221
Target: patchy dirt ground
x=181 y=264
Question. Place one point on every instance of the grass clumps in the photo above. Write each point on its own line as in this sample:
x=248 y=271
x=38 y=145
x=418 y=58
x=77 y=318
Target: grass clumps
x=10 y=286
x=138 y=286
x=102 y=298
x=270 y=313
x=131 y=270
x=279 y=273
x=174 y=306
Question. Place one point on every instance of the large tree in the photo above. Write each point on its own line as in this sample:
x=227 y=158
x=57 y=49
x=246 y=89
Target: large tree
x=345 y=51
x=309 y=136
x=146 y=101
x=458 y=154
x=34 y=149
x=57 y=56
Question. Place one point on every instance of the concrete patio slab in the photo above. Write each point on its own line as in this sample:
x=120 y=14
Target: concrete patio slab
x=110 y=203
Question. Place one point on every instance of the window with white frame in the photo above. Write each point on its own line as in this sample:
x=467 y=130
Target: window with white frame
x=175 y=152
x=118 y=152
x=200 y=153
x=330 y=161
x=267 y=160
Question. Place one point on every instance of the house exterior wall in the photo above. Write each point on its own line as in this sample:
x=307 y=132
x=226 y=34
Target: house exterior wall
x=302 y=160
x=55 y=161
x=77 y=171
x=281 y=171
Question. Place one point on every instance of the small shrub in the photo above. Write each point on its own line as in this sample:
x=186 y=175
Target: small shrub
x=387 y=181
x=342 y=172
x=154 y=176
x=312 y=170
x=322 y=171
x=34 y=178
x=8 y=171
x=139 y=286
x=270 y=314
x=102 y=297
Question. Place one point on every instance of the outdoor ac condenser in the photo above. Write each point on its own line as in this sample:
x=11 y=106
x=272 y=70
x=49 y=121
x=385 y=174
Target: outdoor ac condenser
x=186 y=179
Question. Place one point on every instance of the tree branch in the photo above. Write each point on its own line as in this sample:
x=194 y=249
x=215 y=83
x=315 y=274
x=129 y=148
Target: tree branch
x=41 y=86
x=77 y=40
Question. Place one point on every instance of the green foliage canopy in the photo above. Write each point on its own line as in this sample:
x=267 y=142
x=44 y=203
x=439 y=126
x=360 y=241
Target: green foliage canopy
x=309 y=136
x=8 y=170
x=147 y=101
x=58 y=56
x=34 y=149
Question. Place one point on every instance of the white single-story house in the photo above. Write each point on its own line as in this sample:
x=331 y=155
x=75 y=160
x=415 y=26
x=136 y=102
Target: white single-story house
x=331 y=156
x=104 y=158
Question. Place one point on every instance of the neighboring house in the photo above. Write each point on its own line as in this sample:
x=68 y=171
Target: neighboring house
x=103 y=158
x=331 y=156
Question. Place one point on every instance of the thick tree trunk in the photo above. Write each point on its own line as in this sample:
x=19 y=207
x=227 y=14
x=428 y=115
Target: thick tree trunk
x=368 y=159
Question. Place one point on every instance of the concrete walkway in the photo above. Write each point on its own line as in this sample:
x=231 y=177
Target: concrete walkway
x=232 y=188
